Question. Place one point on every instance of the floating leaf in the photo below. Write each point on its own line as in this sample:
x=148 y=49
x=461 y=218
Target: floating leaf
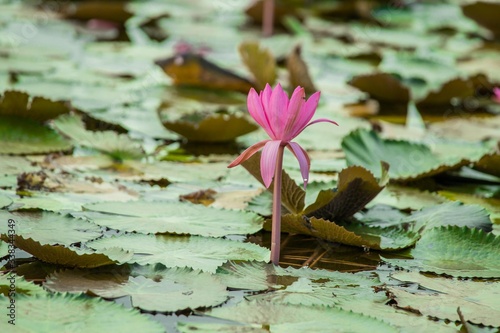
x=483 y=12
x=14 y=165
x=450 y=214
x=383 y=87
x=180 y=251
x=173 y=217
x=455 y=251
x=283 y=318
x=50 y=228
x=57 y=312
x=23 y=136
x=248 y=275
x=4 y=201
x=193 y=70
x=213 y=127
x=492 y=205
x=178 y=289
x=19 y=104
x=4 y=249
x=22 y=287
x=407 y=160
x=477 y=300
x=489 y=164
x=70 y=256
x=260 y=62
x=405 y=197
x=118 y=146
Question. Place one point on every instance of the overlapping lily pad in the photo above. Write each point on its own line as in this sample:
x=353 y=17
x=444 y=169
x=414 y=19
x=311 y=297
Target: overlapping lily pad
x=283 y=318
x=477 y=300
x=22 y=124
x=167 y=290
x=118 y=146
x=455 y=251
x=195 y=252
x=56 y=312
x=408 y=161
x=173 y=217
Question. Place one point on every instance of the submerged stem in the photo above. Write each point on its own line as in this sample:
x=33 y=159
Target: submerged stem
x=276 y=227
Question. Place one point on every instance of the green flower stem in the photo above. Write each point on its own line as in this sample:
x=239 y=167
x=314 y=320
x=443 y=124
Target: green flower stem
x=268 y=18
x=276 y=227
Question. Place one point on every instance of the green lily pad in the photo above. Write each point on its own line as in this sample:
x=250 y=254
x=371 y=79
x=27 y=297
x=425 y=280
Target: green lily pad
x=450 y=214
x=4 y=248
x=283 y=318
x=60 y=312
x=477 y=300
x=408 y=161
x=118 y=146
x=170 y=290
x=173 y=217
x=14 y=165
x=50 y=228
x=22 y=287
x=455 y=251
x=4 y=201
x=196 y=252
x=24 y=136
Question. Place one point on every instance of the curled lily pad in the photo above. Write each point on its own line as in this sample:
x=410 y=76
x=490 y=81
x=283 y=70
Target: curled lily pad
x=219 y=126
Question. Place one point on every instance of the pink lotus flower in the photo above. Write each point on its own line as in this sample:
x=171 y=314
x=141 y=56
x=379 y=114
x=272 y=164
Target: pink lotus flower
x=283 y=120
x=496 y=94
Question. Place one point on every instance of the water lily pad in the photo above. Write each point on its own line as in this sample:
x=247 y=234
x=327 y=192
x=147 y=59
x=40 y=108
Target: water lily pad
x=173 y=217
x=441 y=297
x=118 y=146
x=24 y=136
x=171 y=290
x=211 y=127
x=70 y=256
x=196 y=252
x=455 y=251
x=283 y=318
x=50 y=228
x=19 y=104
x=57 y=312
x=22 y=287
x=407 y=160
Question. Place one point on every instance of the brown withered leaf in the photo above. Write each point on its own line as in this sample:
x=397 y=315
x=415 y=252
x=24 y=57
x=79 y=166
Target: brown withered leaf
x=454 y=88
x=485 y=13
x=19 y=104
x=204 y=197
x=383 y=87
x=299 y=74
x=61 y=255
x=211 y=127
x=114 y=11
x=193 y=70
x=260 y=62
x=489 y=164
x=356 y=187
